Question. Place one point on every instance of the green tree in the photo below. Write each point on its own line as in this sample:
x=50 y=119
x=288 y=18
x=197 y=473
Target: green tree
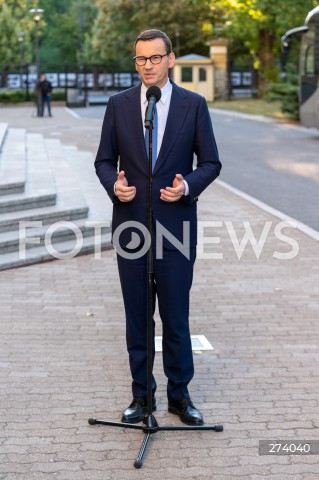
x=67 y=23
x=62 y=29
x=60 y=41
x=57 y=31
x=13 y=19
x=257 y=25
x=8 y=31
x=85 y=12
x=118 y=23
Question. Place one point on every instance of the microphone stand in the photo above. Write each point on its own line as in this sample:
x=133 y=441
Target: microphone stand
x=150 y=424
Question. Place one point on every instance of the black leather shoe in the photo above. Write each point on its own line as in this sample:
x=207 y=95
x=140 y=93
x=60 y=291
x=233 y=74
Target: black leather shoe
x=137 y=411
x=186 y=410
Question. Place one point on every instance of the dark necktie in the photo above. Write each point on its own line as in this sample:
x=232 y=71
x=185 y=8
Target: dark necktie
x=155 y=129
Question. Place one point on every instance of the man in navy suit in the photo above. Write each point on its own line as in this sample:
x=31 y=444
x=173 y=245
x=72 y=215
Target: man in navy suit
x=184 y=128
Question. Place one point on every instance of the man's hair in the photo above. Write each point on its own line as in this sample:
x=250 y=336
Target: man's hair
x=151 y=35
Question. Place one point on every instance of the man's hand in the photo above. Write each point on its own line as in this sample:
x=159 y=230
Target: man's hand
x=173 y=194
x=122 y=191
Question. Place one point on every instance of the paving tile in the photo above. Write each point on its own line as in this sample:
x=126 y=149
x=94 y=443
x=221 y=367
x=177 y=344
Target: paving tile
x=63 y=359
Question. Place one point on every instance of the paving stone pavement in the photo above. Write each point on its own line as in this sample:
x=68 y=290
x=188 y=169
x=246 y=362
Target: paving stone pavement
x=63 y=359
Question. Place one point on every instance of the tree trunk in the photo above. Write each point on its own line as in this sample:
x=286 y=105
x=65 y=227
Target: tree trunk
x=267 y=70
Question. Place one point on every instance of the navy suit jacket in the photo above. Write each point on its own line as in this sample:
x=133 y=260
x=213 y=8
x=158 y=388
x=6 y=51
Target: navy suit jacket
x=122 y=147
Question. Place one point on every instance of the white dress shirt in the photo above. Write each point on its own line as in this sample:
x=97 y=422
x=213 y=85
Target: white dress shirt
x=162 y=107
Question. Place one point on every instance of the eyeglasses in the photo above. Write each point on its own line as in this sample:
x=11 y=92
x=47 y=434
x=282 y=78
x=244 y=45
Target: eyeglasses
x=154 y=59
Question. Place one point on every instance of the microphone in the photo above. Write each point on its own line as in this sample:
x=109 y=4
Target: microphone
x=153 y=95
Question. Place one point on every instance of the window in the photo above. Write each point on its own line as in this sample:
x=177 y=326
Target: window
x=310 y=61
x=187 y=74
x=202 y=74
x=308 y=54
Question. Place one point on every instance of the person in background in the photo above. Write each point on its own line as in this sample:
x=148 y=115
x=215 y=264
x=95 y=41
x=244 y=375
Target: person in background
x=45 y=88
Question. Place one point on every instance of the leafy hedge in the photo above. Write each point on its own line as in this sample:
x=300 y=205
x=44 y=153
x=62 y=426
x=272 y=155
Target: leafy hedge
x=18 y=96
x=288 y=96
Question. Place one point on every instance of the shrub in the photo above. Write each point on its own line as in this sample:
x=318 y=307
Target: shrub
x=12 y=96
x=288 y=96
x=18 y=96
x=286 y=92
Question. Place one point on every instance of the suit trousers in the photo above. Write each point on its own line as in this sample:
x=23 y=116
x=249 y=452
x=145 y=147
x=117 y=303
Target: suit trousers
x=172 y=280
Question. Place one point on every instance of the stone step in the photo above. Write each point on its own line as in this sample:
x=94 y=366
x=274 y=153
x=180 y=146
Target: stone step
x=26 y=154
x=62 y=250
x=20 y=201
x=40 y=177
x=82 y=164
x=68 y=188
x=9 y=188
x=45 y=173
x=80 y=199
x=54 y=233
x=47 y=215
x=12 y=161
x=3 y=132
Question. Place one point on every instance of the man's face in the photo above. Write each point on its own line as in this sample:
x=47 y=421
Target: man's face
x=154 y=74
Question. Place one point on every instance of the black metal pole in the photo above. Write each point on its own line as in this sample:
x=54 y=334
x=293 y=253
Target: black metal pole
x=66 y=81
x=27 y=93
x=37 y=54
x=150 y=279
x=139 y=461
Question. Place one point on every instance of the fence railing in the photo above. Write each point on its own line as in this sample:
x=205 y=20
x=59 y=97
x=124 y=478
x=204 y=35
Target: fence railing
x=81 y=83
x=67 y=77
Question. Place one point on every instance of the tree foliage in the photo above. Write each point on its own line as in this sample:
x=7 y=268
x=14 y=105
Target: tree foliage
x=254 y=27
x=104 y=30
x=62 y=30
x=12 y=21
x=118 y=24
x=257 y=26
x=68 y=21
x=8 y=29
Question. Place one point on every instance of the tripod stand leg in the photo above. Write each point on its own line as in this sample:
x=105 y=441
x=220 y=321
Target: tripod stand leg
x=139 y=461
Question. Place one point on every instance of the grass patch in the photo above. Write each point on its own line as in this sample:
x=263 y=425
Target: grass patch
x=253 y=106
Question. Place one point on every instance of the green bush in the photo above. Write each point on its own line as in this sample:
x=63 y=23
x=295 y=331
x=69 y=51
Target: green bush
x=14 y=96
x=288 y=96
x=286 y=92
x=58 y=95
x=18 y=96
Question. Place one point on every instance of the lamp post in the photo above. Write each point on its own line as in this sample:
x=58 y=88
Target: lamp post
x=177 y=37
x=20 y=40
x=81 y=25
x=36 y=13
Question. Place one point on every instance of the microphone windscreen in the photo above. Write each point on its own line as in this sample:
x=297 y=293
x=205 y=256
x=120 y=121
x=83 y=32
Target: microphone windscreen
x=154 y=91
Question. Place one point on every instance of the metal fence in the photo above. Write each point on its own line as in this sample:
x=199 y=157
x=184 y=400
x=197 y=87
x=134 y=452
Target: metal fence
x=77 y=82
x=244 y=82
x=93 y=84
